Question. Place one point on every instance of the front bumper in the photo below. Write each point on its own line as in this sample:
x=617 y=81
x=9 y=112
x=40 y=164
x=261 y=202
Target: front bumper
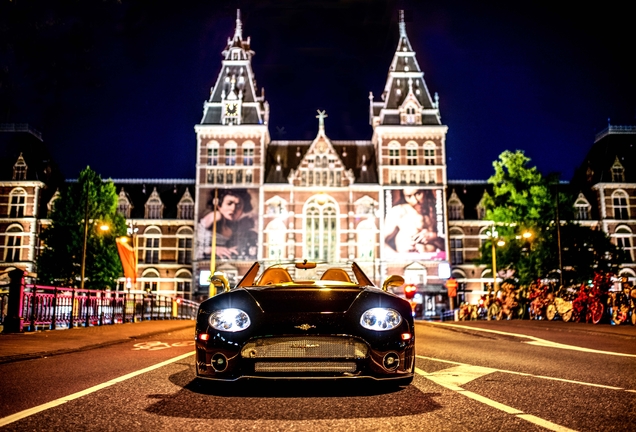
x=304 y=357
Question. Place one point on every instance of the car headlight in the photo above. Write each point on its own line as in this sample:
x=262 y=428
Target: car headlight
x=380 y=319
x=230 y=320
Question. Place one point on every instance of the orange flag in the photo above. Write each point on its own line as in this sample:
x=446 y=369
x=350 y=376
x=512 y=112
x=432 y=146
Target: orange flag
x=128 y=257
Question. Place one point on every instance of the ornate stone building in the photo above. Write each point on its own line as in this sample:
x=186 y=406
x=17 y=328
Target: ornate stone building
x=383 y=201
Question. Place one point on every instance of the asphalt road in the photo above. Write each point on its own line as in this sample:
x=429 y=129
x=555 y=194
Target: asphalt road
x=476 y=376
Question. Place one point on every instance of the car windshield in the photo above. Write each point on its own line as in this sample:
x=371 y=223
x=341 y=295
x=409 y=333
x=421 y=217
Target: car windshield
x=306 y=273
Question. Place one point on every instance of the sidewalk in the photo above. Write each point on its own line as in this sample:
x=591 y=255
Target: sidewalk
x=28 y=345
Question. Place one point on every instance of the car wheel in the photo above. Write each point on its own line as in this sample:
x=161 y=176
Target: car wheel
x=567 y=315
x=550 y=312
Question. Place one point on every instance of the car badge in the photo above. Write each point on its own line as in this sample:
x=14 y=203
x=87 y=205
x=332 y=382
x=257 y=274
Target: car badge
x=305 y=327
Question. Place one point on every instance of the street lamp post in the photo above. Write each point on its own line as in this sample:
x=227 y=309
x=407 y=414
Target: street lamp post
x=493 y=236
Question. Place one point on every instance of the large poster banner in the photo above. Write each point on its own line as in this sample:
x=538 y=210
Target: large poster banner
x=236 y=223
x=414 y=225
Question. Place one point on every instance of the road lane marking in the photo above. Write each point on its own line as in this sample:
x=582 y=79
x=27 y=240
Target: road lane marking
x=494 y=404
x=459 y=375
x=468 y=367
x=29 y=412
x=534 y=340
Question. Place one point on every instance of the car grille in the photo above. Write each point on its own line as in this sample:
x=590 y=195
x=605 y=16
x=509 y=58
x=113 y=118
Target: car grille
x=283 y=367
x=330 y=347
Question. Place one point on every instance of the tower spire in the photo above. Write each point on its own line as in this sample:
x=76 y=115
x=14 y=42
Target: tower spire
x=402 y=24
x=238 y=33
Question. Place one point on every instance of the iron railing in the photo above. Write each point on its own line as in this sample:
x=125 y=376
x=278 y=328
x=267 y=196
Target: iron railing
x=46 y=307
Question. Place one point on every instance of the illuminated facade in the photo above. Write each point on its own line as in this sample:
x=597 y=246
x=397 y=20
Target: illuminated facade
x=379 y=201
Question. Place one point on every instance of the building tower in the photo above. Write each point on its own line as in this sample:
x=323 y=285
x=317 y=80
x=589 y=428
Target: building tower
x=409 y=140
x=231 y=140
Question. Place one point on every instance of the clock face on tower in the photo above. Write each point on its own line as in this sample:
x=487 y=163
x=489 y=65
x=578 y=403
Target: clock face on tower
x=231 y=109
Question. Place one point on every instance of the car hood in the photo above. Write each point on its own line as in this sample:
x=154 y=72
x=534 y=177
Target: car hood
x=300 y=299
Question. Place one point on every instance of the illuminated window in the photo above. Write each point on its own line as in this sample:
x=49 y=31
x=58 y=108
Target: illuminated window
x=582 y=208
x=276 y=234
x=623 y=237
x=619 y=201
x=123 y=204
x=230 y=154
x=429 y=154
x=321 y=218
x=618 y=172
x=184 y=245
x=366 y=240
x=411 y=154
x=152 y=245
x=456 y=246
x=17 y=203
x=248 y=153
x=394 y=153
x=13 y=244
x=20 y=169
x=183 y=282
x=154 y=206
x=150 y=280
x=213 y=153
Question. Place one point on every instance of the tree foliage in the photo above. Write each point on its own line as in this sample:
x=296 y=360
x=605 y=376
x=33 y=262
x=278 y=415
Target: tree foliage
x=61 y=258
x=524 y=201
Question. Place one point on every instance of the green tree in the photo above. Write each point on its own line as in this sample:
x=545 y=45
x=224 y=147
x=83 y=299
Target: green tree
x=60 y=261
x=524 y=201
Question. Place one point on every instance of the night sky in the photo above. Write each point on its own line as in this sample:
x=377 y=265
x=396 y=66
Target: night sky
x=119 y=85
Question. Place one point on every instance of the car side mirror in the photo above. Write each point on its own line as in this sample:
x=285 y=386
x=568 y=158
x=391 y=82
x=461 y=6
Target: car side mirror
x=392 y=281
x=220 y=282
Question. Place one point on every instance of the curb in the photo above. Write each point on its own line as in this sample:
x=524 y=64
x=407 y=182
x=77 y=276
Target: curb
x=43 y=354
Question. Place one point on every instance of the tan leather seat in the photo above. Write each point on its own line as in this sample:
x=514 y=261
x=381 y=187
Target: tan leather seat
x=336 y=274
x=273 y=276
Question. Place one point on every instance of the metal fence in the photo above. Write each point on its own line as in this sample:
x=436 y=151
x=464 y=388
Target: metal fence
x=46 y=307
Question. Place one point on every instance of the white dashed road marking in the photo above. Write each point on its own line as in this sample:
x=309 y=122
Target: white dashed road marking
x=29 y=412
x=450 y=378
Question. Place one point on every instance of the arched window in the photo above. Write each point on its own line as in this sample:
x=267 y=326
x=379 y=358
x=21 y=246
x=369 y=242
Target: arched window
x=17 y=203
x=620 y=202
x=411 y=153
x=13 y=244
x=248 y=153
x=276 y=235
x=429 y=153
x=184 y=245
x=456 y=246
x=230 y=154
x=321 y=228
x=394 y=153
x=213 y=153
x=183 y=283
x=366 y=233
x=623 y=237
x=150 y=278
x=152 y=244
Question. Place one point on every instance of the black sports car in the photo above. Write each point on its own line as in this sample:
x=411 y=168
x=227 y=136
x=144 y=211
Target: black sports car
x=322 y=323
